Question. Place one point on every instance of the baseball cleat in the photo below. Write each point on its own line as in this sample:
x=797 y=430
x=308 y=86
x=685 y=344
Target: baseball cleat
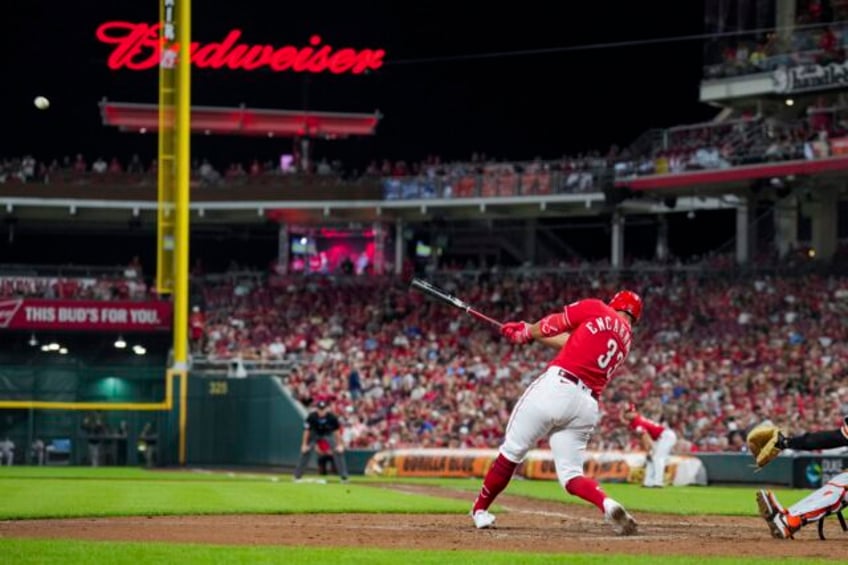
x=775 y=516
x=622 y=523
x=483 y=519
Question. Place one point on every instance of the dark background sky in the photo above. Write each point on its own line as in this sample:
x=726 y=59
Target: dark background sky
x=508 y=107
x=515 y=107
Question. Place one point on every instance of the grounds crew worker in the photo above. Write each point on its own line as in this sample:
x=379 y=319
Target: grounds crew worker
x=322 y=424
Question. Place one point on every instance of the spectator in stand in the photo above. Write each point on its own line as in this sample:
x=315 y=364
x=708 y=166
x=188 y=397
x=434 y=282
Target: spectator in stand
x=135 y=167
x=100 y=166
x=197 y=326
x=277 y=349
x=80 y=166
x=115 y=166
x=354 y=383
x=830 y=47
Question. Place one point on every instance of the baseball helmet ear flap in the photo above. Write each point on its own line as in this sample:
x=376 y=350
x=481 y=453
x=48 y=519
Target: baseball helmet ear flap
x=627 y=301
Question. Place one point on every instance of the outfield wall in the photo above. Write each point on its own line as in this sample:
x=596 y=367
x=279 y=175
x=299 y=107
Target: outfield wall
x=251 y=421
x=255 y=422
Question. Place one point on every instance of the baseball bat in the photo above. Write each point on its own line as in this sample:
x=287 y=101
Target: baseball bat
x=444 y=296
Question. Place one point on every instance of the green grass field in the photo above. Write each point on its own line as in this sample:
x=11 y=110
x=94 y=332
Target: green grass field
x=82 y=492
x=35 y=551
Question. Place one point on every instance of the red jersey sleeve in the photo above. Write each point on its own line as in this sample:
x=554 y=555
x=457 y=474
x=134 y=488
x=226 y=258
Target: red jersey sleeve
x=570 y=317
x=641 y=424
x=578 y=312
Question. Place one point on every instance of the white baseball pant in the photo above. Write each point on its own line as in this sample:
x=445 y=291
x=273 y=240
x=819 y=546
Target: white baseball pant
x=830 y=498
x=553 y=405
x=655 y=467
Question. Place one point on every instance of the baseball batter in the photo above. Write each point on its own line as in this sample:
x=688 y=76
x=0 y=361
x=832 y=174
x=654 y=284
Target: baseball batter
x=592 y=340
x=658 y=441
x=766 y=442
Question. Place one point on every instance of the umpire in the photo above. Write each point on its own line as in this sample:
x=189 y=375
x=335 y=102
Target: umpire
x=322 y=424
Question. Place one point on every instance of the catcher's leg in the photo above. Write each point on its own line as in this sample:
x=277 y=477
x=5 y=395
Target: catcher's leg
x=832 y=498
x=774 y=514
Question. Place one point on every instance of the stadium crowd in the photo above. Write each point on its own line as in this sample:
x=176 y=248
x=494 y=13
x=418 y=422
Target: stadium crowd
x=745 y=139
x=713 y=356
x=715 y=353
x=819 y=38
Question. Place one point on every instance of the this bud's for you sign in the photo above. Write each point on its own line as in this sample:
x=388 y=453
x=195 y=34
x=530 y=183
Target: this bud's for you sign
x=85 y=315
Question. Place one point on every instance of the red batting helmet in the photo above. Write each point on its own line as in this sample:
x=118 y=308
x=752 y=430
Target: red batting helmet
x=627 y=301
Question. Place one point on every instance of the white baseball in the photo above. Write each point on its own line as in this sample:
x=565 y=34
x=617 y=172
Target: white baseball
x=42 y=103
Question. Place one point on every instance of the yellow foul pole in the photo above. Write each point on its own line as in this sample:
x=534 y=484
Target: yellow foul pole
x=181 y=242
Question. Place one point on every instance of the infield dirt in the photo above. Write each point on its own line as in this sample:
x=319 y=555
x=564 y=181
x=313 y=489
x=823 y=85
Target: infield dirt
x=526 y=525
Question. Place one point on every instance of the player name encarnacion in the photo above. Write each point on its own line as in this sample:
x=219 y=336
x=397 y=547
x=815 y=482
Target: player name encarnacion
x=138 y=48
x=610 y=324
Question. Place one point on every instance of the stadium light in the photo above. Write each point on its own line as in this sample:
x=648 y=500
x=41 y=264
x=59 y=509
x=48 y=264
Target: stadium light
x=139 y=350
x=53 y=347
x=790 y=102
x=120 y=343
x=63 y=351
x=32 y=341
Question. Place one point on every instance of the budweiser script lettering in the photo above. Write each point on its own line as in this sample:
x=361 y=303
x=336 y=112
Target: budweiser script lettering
x=138 y=48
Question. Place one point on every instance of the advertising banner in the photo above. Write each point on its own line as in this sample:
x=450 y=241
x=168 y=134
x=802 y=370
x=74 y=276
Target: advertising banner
x=604 y=466
x=804 y=78
x=84 y=315
x=839 y=145
x=813 y=471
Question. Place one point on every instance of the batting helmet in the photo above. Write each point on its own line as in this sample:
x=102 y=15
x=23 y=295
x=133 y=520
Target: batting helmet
x=627 y=301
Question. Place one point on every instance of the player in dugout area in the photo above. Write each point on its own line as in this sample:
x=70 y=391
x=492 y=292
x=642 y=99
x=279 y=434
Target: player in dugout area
x=592 y=339
x=765 y=442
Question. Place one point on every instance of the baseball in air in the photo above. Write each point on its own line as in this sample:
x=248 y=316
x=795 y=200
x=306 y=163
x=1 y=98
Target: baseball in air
x=42 y=103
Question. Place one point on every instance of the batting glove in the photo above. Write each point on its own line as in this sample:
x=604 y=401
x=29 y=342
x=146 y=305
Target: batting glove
x=517 y=332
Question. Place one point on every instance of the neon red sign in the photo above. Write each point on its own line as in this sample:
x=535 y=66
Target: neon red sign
x=138 y=48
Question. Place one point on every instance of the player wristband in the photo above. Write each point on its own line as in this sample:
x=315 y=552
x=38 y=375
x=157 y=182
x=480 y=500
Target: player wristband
x=553 y=324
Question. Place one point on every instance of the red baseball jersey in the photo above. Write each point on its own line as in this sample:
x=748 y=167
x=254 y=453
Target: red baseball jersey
x=599 y=342
x=640 y=424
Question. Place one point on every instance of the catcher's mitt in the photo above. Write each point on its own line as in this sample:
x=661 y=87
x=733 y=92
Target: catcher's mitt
x=765 y=443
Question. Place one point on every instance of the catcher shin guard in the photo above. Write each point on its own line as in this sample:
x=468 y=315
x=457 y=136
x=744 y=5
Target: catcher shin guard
x=775 y=516
x=830 y=499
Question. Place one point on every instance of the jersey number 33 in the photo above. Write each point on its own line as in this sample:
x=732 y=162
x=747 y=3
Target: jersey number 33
x=613 y=357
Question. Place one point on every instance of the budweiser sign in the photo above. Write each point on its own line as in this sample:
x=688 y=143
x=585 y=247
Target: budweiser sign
x=137 y=46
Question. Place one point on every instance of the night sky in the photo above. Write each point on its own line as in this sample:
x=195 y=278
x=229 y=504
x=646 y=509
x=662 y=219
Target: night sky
x=515 y=107
x=434 y=98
